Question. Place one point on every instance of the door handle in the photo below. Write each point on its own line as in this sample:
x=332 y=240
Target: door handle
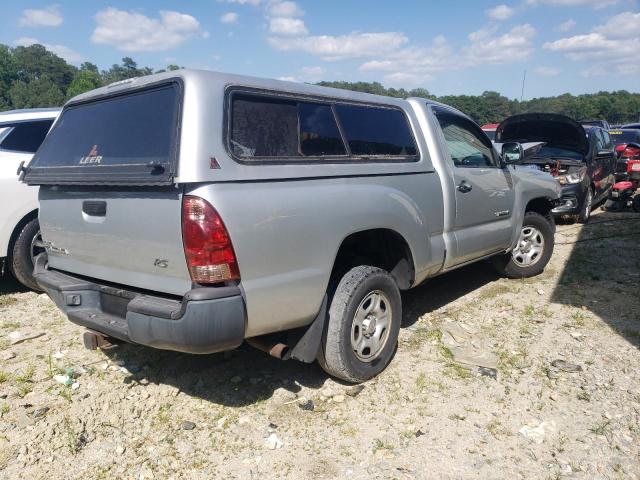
x=464 y=187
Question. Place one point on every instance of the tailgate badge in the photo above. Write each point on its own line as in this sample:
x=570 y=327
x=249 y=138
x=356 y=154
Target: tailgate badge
x=91 y=157
x=161 y=263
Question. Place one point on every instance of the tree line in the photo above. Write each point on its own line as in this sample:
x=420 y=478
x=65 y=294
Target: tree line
x=36 y=77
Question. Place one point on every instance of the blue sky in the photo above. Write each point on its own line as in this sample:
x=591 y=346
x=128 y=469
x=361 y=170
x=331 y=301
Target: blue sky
x=448 y=47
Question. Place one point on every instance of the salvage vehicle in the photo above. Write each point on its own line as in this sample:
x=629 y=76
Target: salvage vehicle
x=622 y=138
x=21 y=133
x=582 y=159
x=193 y=210
x=490 y=130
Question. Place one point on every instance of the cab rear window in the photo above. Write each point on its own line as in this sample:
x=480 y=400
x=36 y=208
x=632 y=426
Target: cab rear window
x=270 y=128
x=122 y=138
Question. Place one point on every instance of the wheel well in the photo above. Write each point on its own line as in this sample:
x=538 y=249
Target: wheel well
x=382 y=248
x=543 y=206
x=18 y=228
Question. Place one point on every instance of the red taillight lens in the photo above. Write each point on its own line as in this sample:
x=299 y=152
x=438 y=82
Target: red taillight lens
x=207 y=245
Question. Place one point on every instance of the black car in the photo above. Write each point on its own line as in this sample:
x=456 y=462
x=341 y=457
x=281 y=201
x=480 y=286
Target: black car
x=631 y=125
x=582 y=158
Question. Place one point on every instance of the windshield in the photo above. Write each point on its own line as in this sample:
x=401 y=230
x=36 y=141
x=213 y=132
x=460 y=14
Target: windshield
x=554 y=152
x=621 y=136
x=121 y=134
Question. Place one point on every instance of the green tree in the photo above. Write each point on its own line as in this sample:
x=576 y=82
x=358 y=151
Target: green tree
x=7 y=75
x=41 y=92
x=84 y=81
x=36 y=62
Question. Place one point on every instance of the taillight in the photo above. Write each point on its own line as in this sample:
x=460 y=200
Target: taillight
x=207 y=245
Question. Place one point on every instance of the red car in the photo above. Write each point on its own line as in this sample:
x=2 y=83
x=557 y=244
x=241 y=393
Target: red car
x=490 y=130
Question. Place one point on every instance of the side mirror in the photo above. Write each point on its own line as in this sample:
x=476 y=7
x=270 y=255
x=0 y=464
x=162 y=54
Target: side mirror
x=512 y=152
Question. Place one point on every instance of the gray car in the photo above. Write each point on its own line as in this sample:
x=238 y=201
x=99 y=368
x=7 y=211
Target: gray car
x=195 y=210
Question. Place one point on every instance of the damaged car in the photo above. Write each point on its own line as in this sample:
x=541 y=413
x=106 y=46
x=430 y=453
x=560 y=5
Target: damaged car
x=581 y=158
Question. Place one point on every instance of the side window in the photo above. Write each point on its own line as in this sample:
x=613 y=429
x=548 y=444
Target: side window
x=608 y=144
x=272 y=128
x=376 y=131
x=263 y=127
x=467 y=145
x=26 y=137
x=266 y=127
x=599 y=139
x=319 y=133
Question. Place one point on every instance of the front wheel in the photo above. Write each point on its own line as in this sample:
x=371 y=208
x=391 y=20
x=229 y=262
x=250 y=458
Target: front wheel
x=587 y=205
x=533 y=250
x=27 y=245
x=361 y=335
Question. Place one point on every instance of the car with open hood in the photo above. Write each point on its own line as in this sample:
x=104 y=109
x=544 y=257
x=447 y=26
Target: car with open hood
x=581 y=158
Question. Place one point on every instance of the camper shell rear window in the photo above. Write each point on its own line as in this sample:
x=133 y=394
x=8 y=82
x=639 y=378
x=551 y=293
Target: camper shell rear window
x=268 y=127
x=130 y=138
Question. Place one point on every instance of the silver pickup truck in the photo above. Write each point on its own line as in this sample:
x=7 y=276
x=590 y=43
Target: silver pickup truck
x=194 y=210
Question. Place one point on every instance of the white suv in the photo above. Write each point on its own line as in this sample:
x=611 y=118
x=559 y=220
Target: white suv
x=21 y=133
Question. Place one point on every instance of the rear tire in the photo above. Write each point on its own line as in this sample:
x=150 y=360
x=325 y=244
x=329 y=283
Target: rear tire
x=361 y=335
x=533 y=252
x=636 y=203
x=587 y=205
x=21 y=260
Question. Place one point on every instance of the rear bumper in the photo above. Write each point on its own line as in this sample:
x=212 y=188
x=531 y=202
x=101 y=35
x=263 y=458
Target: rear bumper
x=206 y=320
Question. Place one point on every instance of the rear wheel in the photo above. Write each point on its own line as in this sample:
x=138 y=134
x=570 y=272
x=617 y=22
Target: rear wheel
x=27 y=246
x=587 y=205
x=364 y=321
x=533 y=250
x=636 y=203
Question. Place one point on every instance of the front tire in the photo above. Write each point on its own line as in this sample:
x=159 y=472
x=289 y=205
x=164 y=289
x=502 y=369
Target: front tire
x=361 y=335
x=587 y=205
x=533 y=251
x=25 y=247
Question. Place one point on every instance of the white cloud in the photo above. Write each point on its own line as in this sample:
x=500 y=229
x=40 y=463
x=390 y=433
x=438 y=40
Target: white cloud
x=623 y=25
x=414 y=65
x=352 y=45
x=242 y=2
x=513 y=46
x=229 y=17
x=68 y=54
x=547 y=71
x=597 y=4
x=134 y=32
x=566 y=26
x=286 y=9
x=313 y=71
x=287 y=26
x=500 y=12
x=610 y=48
x=45 y=17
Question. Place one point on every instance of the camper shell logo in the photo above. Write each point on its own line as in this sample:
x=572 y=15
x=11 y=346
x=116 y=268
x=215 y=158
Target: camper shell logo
x=91 y=157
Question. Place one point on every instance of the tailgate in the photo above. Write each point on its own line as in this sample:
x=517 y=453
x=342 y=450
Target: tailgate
x=125 y=236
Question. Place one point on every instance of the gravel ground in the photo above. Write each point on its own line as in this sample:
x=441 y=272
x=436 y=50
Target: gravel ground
x=134 y=412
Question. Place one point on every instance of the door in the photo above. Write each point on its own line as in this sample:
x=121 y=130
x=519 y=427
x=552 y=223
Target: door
x=603 y=164
x=484 y=192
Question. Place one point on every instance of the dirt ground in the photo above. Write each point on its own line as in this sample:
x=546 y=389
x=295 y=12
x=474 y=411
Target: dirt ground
x=134 y=412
